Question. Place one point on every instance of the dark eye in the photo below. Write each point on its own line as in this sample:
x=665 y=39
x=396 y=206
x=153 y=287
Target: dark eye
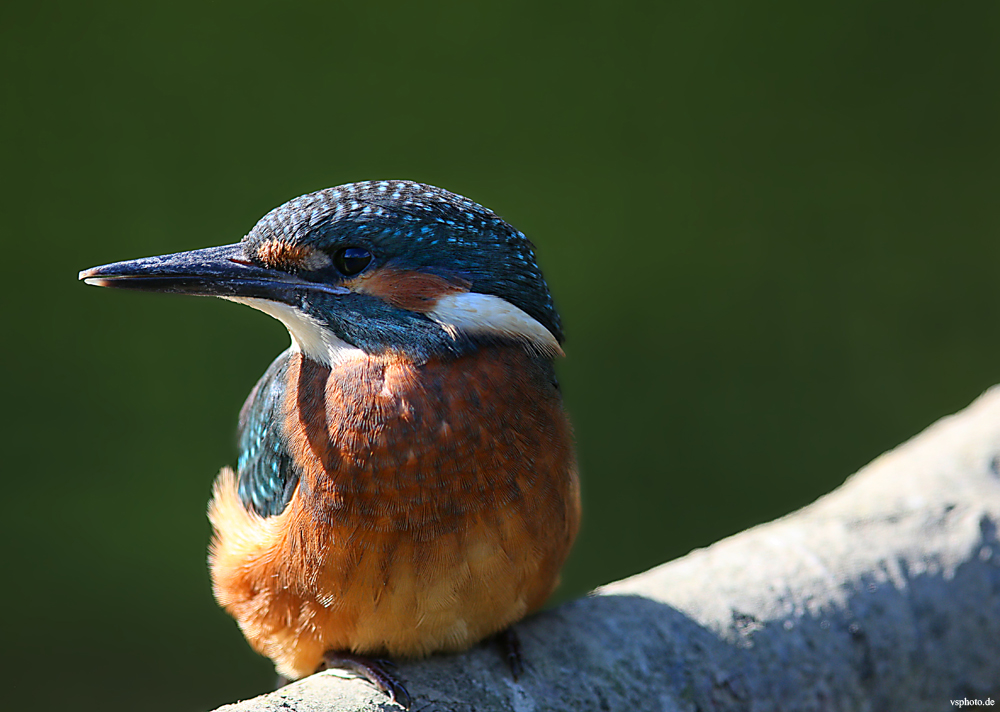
x=352 y=260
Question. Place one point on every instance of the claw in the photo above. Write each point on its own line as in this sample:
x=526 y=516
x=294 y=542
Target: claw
x=510 y=646
x=374 y=671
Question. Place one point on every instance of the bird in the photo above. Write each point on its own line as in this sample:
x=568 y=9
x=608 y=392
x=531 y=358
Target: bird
x=406 y=482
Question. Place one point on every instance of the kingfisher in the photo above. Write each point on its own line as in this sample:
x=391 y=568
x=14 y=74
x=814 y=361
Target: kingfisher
x=406 y=481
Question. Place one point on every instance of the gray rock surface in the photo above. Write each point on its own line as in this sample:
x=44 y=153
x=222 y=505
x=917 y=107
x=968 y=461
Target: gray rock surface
x=883 y=595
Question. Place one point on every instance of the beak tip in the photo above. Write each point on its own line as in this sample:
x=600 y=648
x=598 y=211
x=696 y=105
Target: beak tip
x=93 y=277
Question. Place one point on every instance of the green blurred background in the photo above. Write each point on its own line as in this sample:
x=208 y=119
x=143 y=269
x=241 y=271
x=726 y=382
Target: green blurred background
x=771 y=228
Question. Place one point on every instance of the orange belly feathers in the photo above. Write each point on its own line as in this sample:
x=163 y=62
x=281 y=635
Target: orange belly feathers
x=435 y=507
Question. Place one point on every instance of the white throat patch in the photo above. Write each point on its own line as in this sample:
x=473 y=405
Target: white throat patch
x=465 y=313
x=308 y=335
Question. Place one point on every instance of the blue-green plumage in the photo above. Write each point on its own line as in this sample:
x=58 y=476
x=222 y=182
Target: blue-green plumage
x=267 y=474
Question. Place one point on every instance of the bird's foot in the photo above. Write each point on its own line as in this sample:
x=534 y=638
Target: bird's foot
x=510 y=648
x=377 y=672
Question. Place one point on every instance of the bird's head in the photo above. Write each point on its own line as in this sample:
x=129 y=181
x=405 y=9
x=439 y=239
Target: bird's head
x=376 y=266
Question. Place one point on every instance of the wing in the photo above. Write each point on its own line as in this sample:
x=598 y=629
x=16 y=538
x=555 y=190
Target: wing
x=267 y=476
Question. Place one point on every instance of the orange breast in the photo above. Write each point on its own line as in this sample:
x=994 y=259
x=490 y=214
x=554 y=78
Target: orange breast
x=436 y=505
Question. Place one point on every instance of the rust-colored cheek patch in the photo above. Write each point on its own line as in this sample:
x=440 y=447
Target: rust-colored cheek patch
x=408 y=289
x=278 y=254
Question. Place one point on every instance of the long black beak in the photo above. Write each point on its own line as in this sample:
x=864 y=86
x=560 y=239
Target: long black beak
x=212 y=272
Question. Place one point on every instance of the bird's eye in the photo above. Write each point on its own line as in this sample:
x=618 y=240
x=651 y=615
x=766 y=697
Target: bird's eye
x=352 y=260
